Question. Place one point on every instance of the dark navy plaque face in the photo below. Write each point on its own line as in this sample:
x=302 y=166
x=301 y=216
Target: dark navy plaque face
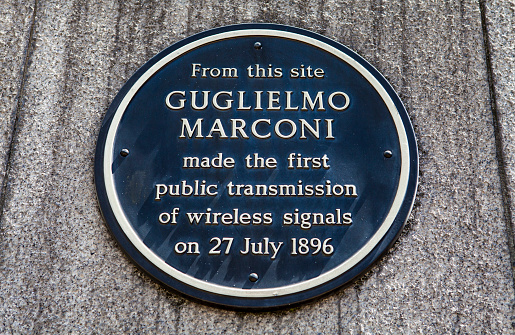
x=256 y=166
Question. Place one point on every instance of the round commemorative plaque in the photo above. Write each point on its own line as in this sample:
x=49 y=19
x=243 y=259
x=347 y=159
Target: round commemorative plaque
x=256 y=166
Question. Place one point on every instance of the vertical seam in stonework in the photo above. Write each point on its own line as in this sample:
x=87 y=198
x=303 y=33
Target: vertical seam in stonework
x=189 y=10
x=17 y=111
x=113 y=59
x=339 y=323
x=404 y=55
x=505 y=194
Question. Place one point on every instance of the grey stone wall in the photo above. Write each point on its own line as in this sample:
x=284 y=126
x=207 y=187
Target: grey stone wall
x=452 y=63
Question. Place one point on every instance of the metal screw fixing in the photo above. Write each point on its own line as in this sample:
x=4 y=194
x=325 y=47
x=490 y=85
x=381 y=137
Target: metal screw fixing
x=388 y=154
x=253 y=277
x=257 y=45
x=124 y=152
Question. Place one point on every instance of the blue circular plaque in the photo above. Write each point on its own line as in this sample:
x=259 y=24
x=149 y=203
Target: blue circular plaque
x=256 y=166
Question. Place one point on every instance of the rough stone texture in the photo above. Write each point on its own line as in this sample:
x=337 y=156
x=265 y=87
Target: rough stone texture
x=61 y=272
x=501 y=28
x=15 y=19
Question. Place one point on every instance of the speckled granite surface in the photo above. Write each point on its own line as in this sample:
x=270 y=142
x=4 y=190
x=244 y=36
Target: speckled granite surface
x=15 y=24
x=501 y=26
x=61 y=272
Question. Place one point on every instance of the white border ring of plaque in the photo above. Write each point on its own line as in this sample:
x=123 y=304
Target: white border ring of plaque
x=255 y=298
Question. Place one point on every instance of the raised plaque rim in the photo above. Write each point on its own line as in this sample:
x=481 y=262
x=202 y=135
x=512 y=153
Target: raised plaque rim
x=108 y=197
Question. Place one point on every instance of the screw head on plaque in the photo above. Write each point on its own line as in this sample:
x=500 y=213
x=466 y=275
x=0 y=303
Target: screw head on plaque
x=256 y=166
